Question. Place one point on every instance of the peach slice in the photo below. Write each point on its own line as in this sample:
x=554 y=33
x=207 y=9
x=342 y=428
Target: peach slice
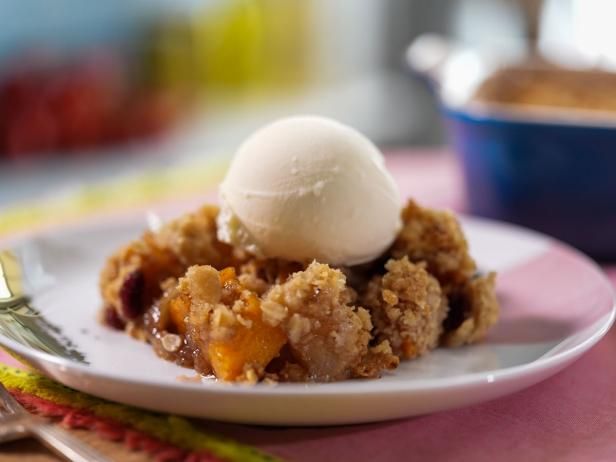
x=178 y=310
x=252 y=346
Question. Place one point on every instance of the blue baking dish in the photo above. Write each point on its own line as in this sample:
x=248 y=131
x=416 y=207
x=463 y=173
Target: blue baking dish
x=555 y=177
x=553 y=171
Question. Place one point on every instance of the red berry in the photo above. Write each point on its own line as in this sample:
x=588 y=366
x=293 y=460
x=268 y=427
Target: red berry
x=111 y=318
x=132 y=294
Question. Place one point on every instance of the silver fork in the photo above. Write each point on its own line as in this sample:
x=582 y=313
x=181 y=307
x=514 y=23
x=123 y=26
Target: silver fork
x=16 y=423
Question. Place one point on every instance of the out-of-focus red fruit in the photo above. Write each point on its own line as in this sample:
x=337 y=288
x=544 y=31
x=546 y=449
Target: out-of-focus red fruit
x=149 y=115
x=85 y=99
x=80 y=112
x=17 y=91
x=46 y=105
x=82 y=108
x=23 y=79
x=31 y=129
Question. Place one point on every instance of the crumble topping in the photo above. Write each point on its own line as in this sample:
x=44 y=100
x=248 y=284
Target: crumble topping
x=131 y=279
x=407 y=307
x=217 y=310
x=474 y=310
x=436 y=238
x=171 y=342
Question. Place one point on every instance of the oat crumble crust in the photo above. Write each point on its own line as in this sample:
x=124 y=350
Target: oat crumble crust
x=407 y=307
x=327 y=336
x=478 y=311
x=130 y=280
x=436 y=238
x=260 y=274
x=207 y=306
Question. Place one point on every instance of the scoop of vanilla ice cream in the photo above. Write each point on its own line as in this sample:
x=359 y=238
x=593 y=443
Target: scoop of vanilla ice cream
x=306 y=188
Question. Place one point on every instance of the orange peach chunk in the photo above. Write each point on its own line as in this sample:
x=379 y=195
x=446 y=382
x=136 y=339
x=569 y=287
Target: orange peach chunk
x=178 y=310
x=252 y=346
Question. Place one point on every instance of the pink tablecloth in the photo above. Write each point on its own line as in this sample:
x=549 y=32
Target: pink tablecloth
x=570 y=417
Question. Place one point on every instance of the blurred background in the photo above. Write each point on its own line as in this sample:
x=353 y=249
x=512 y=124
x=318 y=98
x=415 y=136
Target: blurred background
x=92 y=91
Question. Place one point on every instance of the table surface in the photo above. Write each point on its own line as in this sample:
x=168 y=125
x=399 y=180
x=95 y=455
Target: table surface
x=569 y=417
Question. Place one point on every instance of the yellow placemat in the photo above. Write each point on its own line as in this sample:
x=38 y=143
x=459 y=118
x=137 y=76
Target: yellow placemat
x=139 y=191
x=153 y=432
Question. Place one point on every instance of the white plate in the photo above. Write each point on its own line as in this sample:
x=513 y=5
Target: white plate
x=556 y=304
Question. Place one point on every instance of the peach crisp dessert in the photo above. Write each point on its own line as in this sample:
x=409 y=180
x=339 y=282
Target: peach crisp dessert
x=311 y=270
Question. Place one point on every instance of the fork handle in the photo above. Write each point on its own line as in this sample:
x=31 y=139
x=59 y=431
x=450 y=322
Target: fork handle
x=65 y=444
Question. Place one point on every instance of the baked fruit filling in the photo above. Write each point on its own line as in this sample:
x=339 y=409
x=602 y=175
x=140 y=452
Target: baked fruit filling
x=215 y=308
